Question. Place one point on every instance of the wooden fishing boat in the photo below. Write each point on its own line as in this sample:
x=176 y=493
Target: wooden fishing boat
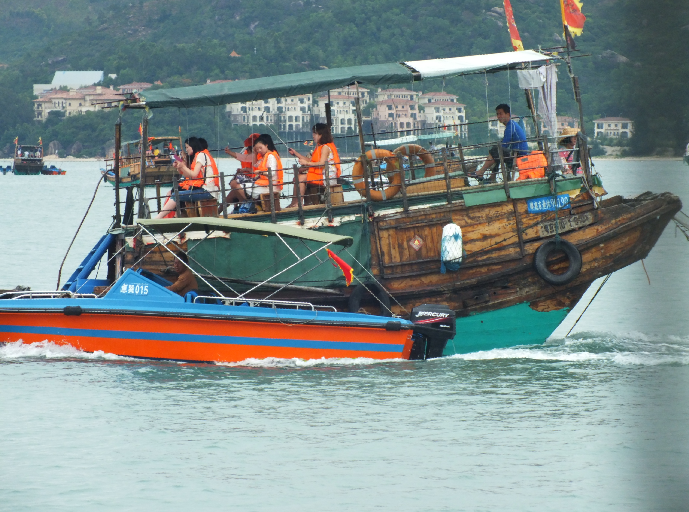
x=28 y=160
x=138 y=316
x=159 y=155
x=531 y=247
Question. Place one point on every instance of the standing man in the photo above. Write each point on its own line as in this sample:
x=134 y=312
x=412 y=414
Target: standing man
x=513 y=144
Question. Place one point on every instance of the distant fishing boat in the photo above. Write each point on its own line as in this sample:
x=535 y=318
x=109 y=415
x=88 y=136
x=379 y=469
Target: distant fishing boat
x=5 y=170
x=28 y=159
x=160 y=152
x=139 y=317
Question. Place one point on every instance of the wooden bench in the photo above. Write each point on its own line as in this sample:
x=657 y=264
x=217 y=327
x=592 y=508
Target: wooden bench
x=315 y=194
x=203 y=208
x=264 y=202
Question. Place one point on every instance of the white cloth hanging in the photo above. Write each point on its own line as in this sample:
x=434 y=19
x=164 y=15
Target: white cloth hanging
x=547 y=98
x=530 y=79
x=451 y=248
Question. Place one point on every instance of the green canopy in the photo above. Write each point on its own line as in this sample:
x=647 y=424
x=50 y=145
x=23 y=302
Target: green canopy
x=243 y=226
x=276 y=86
x=310 y=82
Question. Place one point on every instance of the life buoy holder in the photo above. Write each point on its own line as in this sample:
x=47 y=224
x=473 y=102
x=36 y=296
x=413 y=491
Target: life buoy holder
x=381 y=294
x=425 y=156
x=394 y=177
x=573 y=255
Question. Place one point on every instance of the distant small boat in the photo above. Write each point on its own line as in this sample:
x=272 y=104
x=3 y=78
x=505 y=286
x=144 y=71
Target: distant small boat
x=52 y=170
x=5 y=170
x=159 y=168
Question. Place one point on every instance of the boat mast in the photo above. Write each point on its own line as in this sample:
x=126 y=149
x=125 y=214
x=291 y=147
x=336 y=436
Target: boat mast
x=142 y=167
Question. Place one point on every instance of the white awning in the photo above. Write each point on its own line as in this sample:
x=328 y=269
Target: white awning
x=438 y=68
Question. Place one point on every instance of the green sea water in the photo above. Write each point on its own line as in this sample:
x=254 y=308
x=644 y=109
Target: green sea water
x=596 y=420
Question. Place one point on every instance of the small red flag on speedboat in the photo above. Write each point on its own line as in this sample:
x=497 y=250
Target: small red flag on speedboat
x=339 y=262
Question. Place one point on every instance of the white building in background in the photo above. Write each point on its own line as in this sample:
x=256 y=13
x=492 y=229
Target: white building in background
x=69 y=79
x=617 y=127
x=76 y=101
x=442 y=110
x=292 y=113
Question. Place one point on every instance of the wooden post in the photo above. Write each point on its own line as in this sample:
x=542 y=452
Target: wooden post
x=158 y=195
x=270 y=194
x=403 y=184
x=118 y=144
x=460 y=150
x=297 y=192
x=142 y=168
x=447 y=176
x=362 y=146
x=503 y=169
x=222 y=193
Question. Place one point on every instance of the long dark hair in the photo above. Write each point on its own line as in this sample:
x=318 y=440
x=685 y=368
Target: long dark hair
x=195 y=145
x=323 y=130
x=266 y=139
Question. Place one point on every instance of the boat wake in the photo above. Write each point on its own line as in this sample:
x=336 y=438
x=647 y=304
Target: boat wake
x=273 y=362
x=631 y=349
x=48 y=350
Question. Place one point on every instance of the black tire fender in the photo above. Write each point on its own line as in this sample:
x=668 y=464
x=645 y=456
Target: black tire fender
x=360 y=291
x=573 y=255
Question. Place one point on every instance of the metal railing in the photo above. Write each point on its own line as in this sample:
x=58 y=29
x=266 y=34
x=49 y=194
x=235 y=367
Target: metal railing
x=274 y=304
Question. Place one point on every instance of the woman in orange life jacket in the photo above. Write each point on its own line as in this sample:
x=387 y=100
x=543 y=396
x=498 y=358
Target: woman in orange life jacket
x=325 y=152
x=268 y=159
x=245 y=174
x=197 y=181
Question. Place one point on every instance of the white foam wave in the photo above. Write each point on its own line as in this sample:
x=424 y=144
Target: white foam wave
x=274 y=362
x=50 y=350
x=636 y=358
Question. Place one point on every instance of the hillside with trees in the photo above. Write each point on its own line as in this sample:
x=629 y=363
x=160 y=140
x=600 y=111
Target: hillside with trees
x=638 y=66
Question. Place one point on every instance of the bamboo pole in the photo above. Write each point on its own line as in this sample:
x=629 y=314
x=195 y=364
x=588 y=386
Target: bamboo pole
x=118 y=144
x=142 y=168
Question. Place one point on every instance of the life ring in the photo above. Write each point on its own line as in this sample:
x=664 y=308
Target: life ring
x=425 y=156
x=381 y=294
x=394 y=178
x=573 y=255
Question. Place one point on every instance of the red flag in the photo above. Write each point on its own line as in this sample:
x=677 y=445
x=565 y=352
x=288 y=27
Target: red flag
x=141 y=129
x=346 y=269
x=572 y=18
x=512 y=27
x=16 y=140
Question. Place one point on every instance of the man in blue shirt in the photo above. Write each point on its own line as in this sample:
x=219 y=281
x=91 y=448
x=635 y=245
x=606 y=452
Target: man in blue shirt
x=513 y=144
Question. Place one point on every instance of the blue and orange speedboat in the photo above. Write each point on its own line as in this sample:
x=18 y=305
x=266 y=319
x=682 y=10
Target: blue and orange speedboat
x=139 y=317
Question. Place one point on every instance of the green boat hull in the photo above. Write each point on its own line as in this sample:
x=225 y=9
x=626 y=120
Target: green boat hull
x=503 y=328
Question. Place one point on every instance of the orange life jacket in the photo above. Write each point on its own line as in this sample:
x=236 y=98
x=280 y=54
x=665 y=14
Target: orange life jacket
x=197 y=181
x=248 y=165
x=532 y=166
x=315 y=174
x=262 y=167
x=214 y=166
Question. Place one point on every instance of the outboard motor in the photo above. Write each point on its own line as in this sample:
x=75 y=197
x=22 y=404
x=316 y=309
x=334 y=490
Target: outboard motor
x=434 y=325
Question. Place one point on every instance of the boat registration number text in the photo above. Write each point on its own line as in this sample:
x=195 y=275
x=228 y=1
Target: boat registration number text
x=565 y=224
x=134 y=289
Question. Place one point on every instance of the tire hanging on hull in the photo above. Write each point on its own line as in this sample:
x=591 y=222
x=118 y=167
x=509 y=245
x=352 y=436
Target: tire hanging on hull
x=573 y=256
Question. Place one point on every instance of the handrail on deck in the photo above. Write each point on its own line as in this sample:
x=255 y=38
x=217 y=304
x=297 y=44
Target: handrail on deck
x=229 y=301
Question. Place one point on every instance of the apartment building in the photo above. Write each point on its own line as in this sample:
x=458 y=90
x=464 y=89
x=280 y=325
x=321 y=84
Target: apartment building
x=617 y=127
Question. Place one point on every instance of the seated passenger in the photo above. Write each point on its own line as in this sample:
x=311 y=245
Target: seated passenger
x=268 y=158
x=568 y=140
x=186 y=282
x=513 y=144
x=245 y=174
x=325 y=152
x=194 y=185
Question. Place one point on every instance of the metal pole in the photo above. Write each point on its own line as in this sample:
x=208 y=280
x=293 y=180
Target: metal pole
x=328 y=113
x=297 y=192
x=175 y=189
x=223 y=198
x=118 y=144
x=447 y=176
x=328 y=200
x=505 y=180
x=364 y=160
x=270 y=193
x=142 y=168
x=403 y=184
